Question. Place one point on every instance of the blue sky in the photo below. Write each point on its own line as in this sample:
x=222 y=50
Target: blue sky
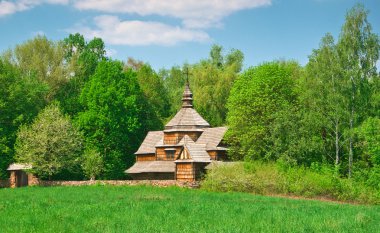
x=170 y=32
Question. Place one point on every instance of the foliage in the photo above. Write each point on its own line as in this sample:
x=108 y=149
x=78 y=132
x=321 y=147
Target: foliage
x=82 y=58
x=174 y=83
x=279 y=178
x=116 y=116
x=359 y=49
x=153 y=88
x=21 y=98
x=325 y=97
x=369 y=138
x=210 y=81
x=257 y=95
x=92 y=163
x=50 y=144
x=152 y=209
x=42 y=59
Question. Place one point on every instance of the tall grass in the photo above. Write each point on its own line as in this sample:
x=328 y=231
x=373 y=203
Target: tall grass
x=152 y=209
x=275 y=179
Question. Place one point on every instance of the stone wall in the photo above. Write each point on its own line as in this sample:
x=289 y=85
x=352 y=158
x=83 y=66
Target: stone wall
x=33 y=181
x=159 y=183
x=4 y=183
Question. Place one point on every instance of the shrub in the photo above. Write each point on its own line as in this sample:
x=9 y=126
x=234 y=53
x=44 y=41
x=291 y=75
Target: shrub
x=276 y=179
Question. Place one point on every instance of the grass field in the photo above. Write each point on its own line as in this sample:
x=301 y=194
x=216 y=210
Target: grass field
x=152 y=209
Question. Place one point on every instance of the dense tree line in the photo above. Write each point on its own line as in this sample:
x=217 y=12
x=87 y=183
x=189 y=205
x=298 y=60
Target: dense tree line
x=326 y=113
x=323 y=114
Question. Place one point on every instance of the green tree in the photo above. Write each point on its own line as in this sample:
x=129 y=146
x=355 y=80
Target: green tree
x=82 y=58
x=211 y=81
x=116 y=116
x=358 y=49
x=153 y=88
x=43 y=59
x=21 y=98
x=50 y=144
x=256 y=96
x=174 y=83
x=325 y=95
x=92 y=163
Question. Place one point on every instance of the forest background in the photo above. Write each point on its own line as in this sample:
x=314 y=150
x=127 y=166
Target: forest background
x=74 y=113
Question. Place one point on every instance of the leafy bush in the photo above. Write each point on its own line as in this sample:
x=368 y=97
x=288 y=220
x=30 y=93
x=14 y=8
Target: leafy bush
x=276 y=179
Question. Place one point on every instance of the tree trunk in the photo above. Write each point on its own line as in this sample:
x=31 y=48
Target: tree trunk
x=336 y=144
x=351 y=152
x=352 y=115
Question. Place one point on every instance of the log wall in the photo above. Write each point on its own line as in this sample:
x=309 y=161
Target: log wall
x=217 y=154
x=161 y=154
x=185 y=172
x=147 y=157
x=173 y=138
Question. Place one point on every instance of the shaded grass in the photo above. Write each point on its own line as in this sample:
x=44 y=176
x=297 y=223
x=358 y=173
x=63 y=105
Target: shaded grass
x=152 y=209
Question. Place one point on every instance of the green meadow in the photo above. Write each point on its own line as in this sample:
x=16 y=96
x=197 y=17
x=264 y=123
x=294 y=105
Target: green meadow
x=173 y=209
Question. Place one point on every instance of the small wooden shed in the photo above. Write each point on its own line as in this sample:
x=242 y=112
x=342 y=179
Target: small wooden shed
x=19 y=175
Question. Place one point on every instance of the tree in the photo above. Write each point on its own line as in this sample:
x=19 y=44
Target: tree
x=133 y=64
x=256 y=96
x=116 y=116
x=174 y=83
x=21 y=98
x=43 y=59
x=358 y=49
x=211 y=87
x=216 y=56
x=153 y=88
x=82 y=58
x=92 y=163
x=325 y=93
x=50 y=144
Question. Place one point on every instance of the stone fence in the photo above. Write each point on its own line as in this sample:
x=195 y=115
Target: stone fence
x=159 y=183
x=4 y=183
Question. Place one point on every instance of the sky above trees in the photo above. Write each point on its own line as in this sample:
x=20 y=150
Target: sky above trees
x=170 y=32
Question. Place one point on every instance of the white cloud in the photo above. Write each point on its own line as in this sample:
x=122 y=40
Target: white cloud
x=194 y=14
x=114 y=31
x=11 y=7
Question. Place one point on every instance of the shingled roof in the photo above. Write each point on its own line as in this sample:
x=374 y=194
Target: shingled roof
x=19 y=166
x=187 y=117
x=212 y=137
x=152 y=166
x=148 y=145
x=196 y=151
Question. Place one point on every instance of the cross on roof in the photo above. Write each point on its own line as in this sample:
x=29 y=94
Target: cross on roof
x=186 y=72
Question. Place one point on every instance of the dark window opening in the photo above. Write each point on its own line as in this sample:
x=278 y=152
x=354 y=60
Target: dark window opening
x=170 y=154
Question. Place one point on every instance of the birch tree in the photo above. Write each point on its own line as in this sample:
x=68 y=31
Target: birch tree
x=358 y=49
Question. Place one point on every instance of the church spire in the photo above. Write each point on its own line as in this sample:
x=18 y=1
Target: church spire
x=187 y=98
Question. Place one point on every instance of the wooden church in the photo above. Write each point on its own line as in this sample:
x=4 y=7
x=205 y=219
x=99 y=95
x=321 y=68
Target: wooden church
x=182 y=150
